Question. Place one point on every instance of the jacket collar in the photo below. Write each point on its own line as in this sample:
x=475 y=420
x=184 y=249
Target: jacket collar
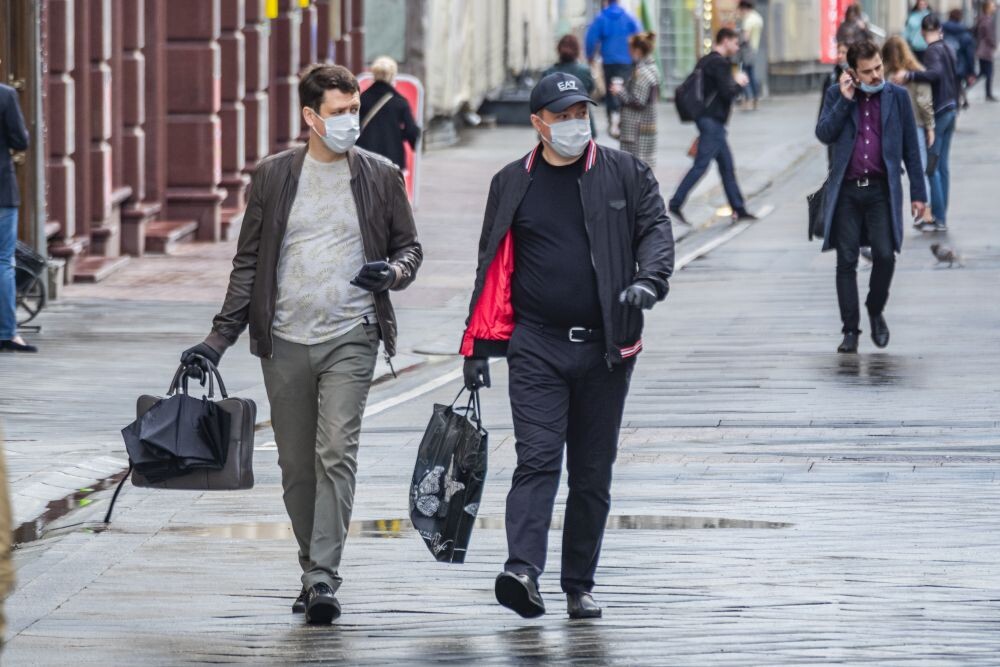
x=532 y=158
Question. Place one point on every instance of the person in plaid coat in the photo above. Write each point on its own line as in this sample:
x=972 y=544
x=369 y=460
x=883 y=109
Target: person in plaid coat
x=638 y=99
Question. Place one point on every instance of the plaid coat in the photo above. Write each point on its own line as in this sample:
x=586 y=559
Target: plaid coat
x=638 y=121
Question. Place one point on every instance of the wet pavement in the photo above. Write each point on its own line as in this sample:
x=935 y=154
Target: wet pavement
x=870 y=486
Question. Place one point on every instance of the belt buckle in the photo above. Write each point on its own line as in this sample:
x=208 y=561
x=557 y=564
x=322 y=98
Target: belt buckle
x=573 y=330
x=863 y=182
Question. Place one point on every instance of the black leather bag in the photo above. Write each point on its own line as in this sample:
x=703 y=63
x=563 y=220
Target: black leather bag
x=182 y=442
x=815 y=203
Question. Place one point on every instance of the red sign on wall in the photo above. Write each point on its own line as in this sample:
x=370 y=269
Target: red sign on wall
x=831 y=15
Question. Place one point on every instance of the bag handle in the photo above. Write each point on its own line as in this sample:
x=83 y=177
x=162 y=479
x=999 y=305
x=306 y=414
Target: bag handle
x=180 y=380
x=473 y=409
x=374 y=110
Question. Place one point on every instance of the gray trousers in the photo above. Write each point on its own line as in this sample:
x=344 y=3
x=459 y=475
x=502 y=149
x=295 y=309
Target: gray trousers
x=317 y=395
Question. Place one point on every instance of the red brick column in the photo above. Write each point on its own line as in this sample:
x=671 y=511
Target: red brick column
x=307 y=35
x=194 y=99
x=286 y=119
x=104 y=227
x=155 y=98
x=257 y=33
x=60 y=112
x=324 y=40
x=233 y=113
x=138 y=212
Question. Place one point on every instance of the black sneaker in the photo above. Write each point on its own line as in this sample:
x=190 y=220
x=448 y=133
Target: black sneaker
x=321 y=606
x=743 y=215
x=939 y=227
x=11 y=346
x=678 y=216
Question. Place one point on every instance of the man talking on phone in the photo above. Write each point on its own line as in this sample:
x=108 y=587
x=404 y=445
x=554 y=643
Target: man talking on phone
x=327 y=232
x=870 y=127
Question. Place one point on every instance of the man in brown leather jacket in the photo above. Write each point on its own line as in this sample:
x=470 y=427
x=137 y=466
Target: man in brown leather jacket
x=327 y=232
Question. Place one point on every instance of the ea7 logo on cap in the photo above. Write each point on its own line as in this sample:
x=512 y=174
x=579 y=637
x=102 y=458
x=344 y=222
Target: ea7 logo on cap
x=566 y=85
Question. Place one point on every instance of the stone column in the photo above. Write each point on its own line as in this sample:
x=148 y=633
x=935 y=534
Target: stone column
x=357 y=28
x=194 y=99
x=138 y=212
x=155 y=98
x=257 y=34
x=233 y=114
x=104 y=231
x=324 y=41
x=307 y=35
x=83 y=127
x=286 y=120
x=61 y=125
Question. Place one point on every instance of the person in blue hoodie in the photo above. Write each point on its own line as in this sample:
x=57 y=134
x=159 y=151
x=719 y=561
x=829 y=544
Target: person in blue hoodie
x=911 y=31
x=609 y=33
x=959 y=38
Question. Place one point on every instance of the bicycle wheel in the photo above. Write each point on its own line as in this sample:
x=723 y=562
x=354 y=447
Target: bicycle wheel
x=30 y=294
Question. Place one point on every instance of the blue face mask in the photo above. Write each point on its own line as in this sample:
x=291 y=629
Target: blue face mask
x=870 y=89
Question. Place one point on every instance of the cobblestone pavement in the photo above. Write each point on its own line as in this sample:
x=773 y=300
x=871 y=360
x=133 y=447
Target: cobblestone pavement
x=774 y=502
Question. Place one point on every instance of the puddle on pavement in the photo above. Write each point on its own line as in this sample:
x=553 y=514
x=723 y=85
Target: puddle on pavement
x=873 y=369
x=55 y=510
x=394 y=528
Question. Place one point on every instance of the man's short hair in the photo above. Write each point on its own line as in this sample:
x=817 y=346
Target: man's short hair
x=955 y=15
x=863 y=50
x=724 y=34
x=317 y=79
x=746 y=4
x=931 y=23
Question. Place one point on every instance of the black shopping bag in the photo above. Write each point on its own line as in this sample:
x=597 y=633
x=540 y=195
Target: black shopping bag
x=448 y=479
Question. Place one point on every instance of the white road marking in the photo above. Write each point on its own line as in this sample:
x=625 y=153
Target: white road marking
x=710 y=245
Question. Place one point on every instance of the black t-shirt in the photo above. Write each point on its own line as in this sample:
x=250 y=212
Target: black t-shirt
x=554 y=279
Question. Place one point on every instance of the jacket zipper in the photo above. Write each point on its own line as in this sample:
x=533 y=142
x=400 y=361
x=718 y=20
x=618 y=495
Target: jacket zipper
x=593 y=264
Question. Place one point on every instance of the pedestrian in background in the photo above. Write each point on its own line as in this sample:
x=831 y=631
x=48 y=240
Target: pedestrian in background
x=13 y=137
x=751 y=30
x=568 y=50
x=854 y=28
x=720 y=88
x=315 y=215
x=897 y=57
x=911 y=30
x=576 y=243
x=638 y=99
x=608 y=35
x=386 y=118
x=871 y=126
x=960 y=40
x=986 y=45
x=940 y=71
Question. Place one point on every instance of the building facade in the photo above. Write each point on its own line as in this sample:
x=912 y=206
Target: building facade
x=147 y=116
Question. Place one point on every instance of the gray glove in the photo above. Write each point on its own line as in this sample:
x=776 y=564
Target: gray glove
x=639 y=295
x=476 y=372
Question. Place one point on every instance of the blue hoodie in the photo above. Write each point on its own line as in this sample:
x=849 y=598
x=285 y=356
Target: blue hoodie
x=611 y=30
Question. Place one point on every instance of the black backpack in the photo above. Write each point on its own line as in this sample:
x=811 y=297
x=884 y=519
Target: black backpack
x=689 y=98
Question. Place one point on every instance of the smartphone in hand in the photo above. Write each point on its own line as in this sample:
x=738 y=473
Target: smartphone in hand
x=370 y=268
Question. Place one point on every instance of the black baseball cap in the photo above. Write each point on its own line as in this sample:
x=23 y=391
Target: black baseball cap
x=557 y=92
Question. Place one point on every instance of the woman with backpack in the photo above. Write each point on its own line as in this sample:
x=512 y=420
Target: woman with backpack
x=638 y=99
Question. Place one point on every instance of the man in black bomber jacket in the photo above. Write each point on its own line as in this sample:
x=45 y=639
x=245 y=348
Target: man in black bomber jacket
x=576 y=242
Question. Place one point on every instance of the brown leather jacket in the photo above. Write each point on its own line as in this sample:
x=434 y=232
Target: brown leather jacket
x=387 y=232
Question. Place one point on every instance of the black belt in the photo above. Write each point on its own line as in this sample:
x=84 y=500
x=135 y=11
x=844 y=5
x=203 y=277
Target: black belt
x=572 y=334
x=868 y=181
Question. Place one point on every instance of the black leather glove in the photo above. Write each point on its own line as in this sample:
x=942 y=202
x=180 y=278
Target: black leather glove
x=639 y=295
x=195 y=356
x=476 y=372
x=375 y=277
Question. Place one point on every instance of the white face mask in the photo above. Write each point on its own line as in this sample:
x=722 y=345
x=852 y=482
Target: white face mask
x=341 y=131
x=570 y=137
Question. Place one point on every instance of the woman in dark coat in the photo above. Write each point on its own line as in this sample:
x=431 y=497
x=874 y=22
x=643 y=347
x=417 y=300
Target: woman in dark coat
x=386 y=119
x=569 y=63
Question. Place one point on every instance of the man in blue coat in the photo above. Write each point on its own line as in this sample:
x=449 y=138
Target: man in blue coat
x=610 y=32
x=869 y=125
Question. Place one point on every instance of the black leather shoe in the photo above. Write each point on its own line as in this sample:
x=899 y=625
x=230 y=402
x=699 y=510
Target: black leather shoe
x=11 y=346
x=678 y=216
x=880 y=330
x=299 y=606
x=850 y=344
x=743 y=215
x=582 y=605
x=519 y=592
x=321 y=606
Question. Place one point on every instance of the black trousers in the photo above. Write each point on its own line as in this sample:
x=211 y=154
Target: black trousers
x=562 y=395
x=863 y=217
